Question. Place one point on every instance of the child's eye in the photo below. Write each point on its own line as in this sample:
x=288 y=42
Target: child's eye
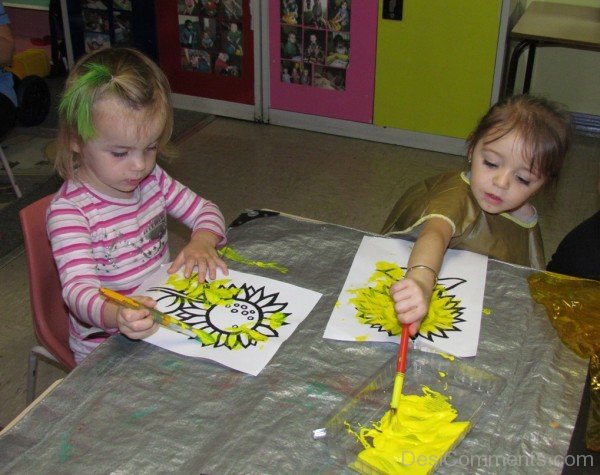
x=119 y=154
x=152 y=148
x=489 y=164
x=524 y=181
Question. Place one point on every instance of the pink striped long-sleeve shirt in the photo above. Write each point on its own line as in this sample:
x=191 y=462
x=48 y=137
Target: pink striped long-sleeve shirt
x=100 y=241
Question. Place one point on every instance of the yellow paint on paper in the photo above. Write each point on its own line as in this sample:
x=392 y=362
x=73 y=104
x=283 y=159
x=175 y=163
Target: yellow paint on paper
x=249 y=332
x=447 y=356
x=413 y=439
x=375 y=307
x=211 y=293
x=361 y=338
x=276 y=320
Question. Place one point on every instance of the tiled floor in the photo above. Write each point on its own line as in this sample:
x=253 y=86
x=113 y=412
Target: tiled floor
x=347 y=181
x=243 y=165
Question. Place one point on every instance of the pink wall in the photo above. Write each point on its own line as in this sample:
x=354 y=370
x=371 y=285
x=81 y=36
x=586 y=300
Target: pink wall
x=27 y=24
x=355 y=103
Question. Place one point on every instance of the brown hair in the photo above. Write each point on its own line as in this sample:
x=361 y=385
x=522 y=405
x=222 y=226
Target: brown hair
x=543 y=126
x=123 y=73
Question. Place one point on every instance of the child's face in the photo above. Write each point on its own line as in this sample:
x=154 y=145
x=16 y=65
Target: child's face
x=122 y=153
x=501 y=179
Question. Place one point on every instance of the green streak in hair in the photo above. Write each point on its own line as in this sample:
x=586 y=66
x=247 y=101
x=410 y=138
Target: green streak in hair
x=77 y=102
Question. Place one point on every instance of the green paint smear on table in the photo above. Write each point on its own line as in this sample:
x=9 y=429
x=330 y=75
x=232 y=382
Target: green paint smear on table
x=143 y=412
x=66 y=449
x=233 y=255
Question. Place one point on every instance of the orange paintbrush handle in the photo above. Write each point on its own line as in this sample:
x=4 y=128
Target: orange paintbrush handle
x=403 y=350
x=400 y=368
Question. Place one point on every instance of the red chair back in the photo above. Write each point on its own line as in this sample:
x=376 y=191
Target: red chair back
x=50 y=316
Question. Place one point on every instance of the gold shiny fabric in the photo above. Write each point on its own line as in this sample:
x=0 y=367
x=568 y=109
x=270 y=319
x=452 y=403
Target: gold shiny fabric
x=573 y=306
x=449 y=196
x=592 y=433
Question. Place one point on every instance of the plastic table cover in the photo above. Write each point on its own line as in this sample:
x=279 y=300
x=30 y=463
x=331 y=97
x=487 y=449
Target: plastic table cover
x=132 y=407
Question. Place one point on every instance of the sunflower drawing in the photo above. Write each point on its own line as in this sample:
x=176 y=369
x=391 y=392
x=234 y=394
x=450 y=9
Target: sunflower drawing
x=234 y=317
x=374 y=305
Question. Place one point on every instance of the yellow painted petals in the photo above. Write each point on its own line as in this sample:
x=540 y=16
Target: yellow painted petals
x=211 y=293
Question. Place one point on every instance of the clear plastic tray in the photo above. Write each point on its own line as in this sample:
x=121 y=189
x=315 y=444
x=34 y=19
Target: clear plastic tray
x=470 y=388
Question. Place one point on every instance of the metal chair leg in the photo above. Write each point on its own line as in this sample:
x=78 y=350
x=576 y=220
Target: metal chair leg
x=34 y=355
x=31 y=376
x=9 y=172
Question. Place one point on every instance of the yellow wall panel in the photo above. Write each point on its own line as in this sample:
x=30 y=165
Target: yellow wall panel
x=435 y=68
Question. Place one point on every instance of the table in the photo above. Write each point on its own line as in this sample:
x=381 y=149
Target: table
x=131 y=407
x=551 y=24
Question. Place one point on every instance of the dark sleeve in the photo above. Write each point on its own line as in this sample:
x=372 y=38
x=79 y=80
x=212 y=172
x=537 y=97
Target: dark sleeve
x=578 y=254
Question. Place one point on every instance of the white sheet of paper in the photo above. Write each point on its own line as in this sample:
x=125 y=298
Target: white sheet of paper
x=260 y=297
x=472 y=267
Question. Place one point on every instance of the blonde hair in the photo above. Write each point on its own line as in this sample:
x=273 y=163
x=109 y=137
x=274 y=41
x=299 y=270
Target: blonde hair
x=122 y=73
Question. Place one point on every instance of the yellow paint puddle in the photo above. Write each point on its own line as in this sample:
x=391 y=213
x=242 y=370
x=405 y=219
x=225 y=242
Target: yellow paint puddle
x=414 y=439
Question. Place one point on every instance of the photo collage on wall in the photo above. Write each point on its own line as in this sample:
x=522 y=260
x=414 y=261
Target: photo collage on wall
x=106 y=23
x=210 y=35
x=315 y=42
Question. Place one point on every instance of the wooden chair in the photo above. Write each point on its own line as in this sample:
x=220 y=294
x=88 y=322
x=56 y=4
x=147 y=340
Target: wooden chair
x=49 y=313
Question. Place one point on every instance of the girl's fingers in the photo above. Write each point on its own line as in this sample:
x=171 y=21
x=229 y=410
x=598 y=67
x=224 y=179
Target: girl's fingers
x=212 y=269
x=176 y=264
x=202 y=268
x=136 y=322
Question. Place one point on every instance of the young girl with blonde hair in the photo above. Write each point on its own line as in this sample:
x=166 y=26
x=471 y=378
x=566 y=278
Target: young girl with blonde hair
x=108 y=222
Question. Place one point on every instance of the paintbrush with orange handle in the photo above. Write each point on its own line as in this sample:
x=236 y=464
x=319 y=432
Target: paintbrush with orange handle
x=161 y=318
x=400 y=368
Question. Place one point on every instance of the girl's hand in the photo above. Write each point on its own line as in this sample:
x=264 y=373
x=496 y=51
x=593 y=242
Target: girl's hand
x=411 y=302
x=201 y=253
x=137 y=324
x=412 y=294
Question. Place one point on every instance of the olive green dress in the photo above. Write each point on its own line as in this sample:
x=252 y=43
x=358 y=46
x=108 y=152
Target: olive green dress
x=448 y=196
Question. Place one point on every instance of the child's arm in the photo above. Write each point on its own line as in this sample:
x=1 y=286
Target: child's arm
x=201 y=252
x=412 y=294
x=202 y=216
x=135 y=324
